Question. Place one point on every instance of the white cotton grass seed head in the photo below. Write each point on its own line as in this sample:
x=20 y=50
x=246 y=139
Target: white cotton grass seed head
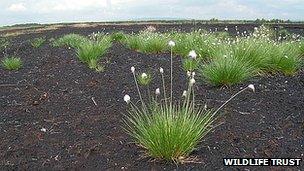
x=127 y=99
x=193 y=74
x=144 y=75
x=192 y=54
x=133 y=69
x=192 y=81
x=188 y=73
x=171 y=43
x=205 y=106
x=251 y=86
x=157 y=91
x=184 y=93
x=161 y=70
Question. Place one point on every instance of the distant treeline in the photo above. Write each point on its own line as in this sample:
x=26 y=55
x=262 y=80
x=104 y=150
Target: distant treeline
x=173 y=21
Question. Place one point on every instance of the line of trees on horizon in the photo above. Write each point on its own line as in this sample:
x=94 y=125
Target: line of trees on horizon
x=212 y=20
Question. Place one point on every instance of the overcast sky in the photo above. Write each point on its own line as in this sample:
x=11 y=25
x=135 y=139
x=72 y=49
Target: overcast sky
x=51 y=11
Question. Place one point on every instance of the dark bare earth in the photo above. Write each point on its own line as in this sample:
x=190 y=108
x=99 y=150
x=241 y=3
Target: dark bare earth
x=54 y=91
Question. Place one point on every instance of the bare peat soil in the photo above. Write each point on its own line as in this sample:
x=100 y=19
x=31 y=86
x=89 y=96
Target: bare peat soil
x=49 y=121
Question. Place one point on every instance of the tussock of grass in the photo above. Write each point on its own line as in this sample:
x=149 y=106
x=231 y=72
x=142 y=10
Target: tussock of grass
x=12 y=63
x=168 y=133
x=147 y=42
x=301 y=47
x=205 y=44
x=286 y=59
x=70 y=40
x=255 y=52
x=133 y=42
x=154 y=43
x=90 y=52
x=118 y=36
x=89 y=49
x=167 y=130
x=226 y=71
x=38 y=42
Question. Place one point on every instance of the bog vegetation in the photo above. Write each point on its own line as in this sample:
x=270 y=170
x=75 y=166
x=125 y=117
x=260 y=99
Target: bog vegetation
x=171 y=130
x=38 y=42
x=166 y=129
x=12 y=63
x=221 y=59
x=89 y=49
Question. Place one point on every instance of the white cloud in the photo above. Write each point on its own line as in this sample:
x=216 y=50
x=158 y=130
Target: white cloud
x=67 y=5
x=17 y=7
x=221 y=9
x=44 y=11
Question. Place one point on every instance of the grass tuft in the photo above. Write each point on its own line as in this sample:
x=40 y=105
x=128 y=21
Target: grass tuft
x=300 y=46
x=168 y=133
x=147 y=42
x=70 y=40
x=226 y=71
x=12 y=63
x=118 y=36
x=167 y=130
x=286 y=59
x=38 y=42
x=90 y=52
x=133 y=42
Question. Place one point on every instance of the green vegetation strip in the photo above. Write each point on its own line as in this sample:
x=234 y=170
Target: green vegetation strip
x=221 y=59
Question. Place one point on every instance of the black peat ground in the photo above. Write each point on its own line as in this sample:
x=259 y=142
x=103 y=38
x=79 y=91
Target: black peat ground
x=48 y=120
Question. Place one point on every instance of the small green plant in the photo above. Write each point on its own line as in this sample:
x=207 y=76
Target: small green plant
x=254 y=52
x=133 y=42
x=167 y=130
x=147 y=42
x=301 y=47
x=153 y=43
x=206 y=45
x=38 y=42
x=93 y=64
x=144 y=79
x=12 y=63
x=286 y=58
x=70 y=40
x=90 y=52
x=226 y=71
x=118 y=36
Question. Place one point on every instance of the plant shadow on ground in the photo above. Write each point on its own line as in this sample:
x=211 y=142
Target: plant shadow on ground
x=55 y=92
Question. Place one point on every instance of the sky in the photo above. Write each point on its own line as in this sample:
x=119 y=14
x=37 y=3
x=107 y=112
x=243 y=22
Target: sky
x=54 y=11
